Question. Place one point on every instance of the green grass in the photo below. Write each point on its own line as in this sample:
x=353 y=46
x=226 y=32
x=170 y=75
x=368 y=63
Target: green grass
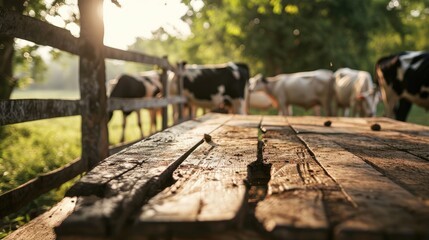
x=29 y=149
x=55 y=94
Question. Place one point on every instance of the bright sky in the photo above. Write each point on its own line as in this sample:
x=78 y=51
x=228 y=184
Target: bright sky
x=135 y=18
x=139 y=18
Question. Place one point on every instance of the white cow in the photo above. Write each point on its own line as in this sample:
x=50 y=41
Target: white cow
x=260 y=100
x=355 y=93
x=304 y=89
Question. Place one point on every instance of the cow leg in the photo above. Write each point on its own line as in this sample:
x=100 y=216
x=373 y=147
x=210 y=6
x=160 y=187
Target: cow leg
x=124 y=125
x=284 y=109
x=239 y=106
x=353 y=109
x=345 y=112
x=153 y=120
x=401 y=111
x=326 y=105
x=317 y=111
x=139 y=122
x=336 y=108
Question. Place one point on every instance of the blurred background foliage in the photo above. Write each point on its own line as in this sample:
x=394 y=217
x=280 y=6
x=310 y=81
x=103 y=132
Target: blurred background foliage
x=272 y=37
x=288 y=36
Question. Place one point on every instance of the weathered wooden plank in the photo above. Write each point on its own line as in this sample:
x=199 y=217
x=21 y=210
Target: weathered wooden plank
x=114 y=53
x=23 y=110
x=296 y=214
x=376 y=199
x=312 y=124
x=123 y=181
x=42 y=227
x=398 y=161
x=131 y=104
x=14 y=199
x=95 y=181
x=390 y=125
x=279 y=121
x=209 y=194
x=34 y=30
x=245 y=121
x=293 y=208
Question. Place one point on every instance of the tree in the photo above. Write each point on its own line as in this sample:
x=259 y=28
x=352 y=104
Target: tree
x=26 y=57
x=287 y=36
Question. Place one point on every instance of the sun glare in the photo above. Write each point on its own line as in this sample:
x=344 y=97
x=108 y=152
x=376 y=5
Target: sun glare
x=139 y=18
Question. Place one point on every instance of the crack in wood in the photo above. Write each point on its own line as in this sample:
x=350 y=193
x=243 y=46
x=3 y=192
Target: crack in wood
x=346 y=195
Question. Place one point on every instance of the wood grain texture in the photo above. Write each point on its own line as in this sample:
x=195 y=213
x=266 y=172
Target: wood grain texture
x=381 y=206
x=192 y=181
x=209 y=194
x=124 y=181
x=24 y=110
x=293 y=208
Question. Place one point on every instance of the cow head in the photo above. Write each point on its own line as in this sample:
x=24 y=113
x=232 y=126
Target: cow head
x=367 y=102
x=258 y=83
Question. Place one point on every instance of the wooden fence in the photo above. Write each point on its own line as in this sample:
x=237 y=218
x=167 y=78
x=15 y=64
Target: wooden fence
x=93 y=104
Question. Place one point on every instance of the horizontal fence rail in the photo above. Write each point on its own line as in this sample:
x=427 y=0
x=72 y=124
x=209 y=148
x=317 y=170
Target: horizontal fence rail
x=14 y=199
x=118 y=54
x=24 y=110
x=28 y=28
x=24 y=27
x=132 y=104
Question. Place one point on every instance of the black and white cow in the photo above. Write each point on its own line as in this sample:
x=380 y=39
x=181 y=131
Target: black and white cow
x=215 y=86
x=146 y=85
x=403 y=80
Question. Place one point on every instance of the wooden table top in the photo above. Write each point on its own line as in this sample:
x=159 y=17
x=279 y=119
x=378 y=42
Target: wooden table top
x=257 y=177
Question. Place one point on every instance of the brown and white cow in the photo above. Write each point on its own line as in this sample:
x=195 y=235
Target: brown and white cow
x=355 y=92
x=403 y=80
x=145 y=85
x=304 y=89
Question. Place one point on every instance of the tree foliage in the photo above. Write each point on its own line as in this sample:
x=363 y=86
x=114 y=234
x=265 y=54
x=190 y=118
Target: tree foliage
x=279 y=36
x=25 y=59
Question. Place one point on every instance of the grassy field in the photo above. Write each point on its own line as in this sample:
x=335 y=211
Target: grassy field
x=36 y=147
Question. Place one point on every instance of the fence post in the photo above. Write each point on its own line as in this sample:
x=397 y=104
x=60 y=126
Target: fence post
x=92 y=77
x=180 y=69
x=165 y=93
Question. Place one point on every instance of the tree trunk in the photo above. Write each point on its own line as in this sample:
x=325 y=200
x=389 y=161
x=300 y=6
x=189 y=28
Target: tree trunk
x=7 y=81
x=7 y=51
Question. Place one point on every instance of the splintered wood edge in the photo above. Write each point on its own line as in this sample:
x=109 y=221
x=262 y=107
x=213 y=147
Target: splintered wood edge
x=98 y=216
x=158 y=219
